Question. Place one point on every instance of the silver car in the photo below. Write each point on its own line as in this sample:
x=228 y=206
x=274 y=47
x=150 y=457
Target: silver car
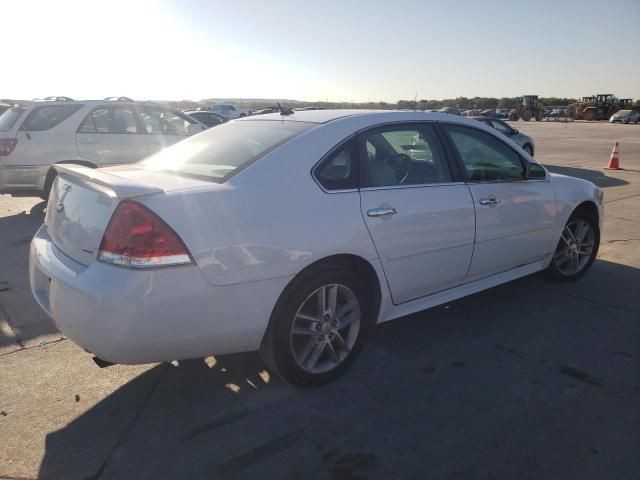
x=36 y=135
x=625 y=116
x=525 y=141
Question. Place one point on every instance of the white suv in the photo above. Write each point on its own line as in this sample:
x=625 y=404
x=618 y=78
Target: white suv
x=95 y=133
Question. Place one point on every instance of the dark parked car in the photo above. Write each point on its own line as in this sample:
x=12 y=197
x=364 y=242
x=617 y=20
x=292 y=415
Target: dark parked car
x=210 y=119
x=490 y=112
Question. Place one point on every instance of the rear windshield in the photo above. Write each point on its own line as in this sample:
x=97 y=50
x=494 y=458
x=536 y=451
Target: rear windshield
x=47 y=117
x=216 y=154
x=8 y=118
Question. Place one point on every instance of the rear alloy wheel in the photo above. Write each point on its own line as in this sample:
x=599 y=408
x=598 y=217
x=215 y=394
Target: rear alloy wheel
x=318 y=327
x=577 y=248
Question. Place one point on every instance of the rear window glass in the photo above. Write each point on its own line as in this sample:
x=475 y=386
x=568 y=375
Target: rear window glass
x=9 y=118
x=44 y=118
x=217 y=153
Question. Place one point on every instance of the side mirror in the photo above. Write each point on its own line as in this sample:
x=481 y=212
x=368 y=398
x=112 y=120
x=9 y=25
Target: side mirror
x=514 y=131
x=195 y=128
x=536 y=172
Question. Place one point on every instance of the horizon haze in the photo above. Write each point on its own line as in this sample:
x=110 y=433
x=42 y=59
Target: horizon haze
x=330 y=51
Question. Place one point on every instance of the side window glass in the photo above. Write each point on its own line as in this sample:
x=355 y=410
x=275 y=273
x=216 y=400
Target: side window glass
x=89 y=124
x=485 y=158
x=47 y=117
x=339 y=172
x=398 y=156
x=123 y=120
x=114 y=120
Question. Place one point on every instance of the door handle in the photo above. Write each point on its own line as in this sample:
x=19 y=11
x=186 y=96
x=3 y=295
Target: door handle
x=489 y=201
x=87 y=140
x=381 y=212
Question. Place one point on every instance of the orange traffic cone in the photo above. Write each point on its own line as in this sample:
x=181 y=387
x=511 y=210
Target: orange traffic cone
x=614 y=161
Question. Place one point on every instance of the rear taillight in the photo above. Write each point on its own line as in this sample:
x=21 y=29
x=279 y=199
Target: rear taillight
x=137 y=237
x=7 y=145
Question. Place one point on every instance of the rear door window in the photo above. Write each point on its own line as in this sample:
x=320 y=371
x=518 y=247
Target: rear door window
x=48 y=116
x=400 y=156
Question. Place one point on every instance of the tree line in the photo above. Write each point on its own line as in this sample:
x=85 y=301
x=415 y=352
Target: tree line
x=464 y=103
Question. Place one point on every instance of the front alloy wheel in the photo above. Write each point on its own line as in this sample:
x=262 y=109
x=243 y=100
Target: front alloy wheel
x=577 y=248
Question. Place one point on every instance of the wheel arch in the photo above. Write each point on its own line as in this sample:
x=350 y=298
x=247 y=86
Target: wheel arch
x=590 y=207
x=356 y=264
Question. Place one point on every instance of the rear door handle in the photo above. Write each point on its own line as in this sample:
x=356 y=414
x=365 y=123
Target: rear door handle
x=381 y=212
x=489 y=201
x=87 y=140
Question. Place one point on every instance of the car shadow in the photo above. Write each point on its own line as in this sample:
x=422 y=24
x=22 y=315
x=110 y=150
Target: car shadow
x=23 y=320
x=487 y=383
x=595 y=176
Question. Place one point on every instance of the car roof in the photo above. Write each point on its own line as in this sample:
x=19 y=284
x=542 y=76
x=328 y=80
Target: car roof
x=326 y=116
x=39 y=102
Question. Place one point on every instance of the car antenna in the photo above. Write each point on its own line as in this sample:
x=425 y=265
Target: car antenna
x=284 y=111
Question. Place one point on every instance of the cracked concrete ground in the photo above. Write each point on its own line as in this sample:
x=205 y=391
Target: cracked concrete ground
x=526 y=380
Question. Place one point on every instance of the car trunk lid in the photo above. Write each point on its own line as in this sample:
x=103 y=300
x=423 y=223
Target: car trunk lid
x=82 y=201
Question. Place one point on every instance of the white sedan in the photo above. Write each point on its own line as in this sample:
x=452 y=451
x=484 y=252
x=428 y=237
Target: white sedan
x=294 y=234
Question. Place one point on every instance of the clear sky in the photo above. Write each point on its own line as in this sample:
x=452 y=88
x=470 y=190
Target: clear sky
x=318 y=50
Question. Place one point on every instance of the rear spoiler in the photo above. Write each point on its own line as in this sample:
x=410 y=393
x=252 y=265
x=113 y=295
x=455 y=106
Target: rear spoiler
x=109 y=183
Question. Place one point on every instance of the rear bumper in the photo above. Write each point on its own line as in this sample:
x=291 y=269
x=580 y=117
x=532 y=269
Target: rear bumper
x=143 y=316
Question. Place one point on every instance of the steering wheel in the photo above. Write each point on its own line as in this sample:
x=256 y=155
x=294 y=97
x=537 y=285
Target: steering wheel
x=400 y=163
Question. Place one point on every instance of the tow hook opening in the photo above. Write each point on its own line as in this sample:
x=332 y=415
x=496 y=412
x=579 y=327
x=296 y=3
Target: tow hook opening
x=102 y=363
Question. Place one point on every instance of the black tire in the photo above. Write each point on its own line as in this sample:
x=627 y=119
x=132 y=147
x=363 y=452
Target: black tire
x=554 y=272
x=589 y=115
x=526 y=115
x=277 y=346
x=48 y=183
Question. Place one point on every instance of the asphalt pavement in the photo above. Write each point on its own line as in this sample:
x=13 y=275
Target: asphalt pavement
x=529 y=380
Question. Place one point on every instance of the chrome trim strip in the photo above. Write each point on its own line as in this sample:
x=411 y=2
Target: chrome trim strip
x=395 y=187
x=428 y=250
x=524 y=232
